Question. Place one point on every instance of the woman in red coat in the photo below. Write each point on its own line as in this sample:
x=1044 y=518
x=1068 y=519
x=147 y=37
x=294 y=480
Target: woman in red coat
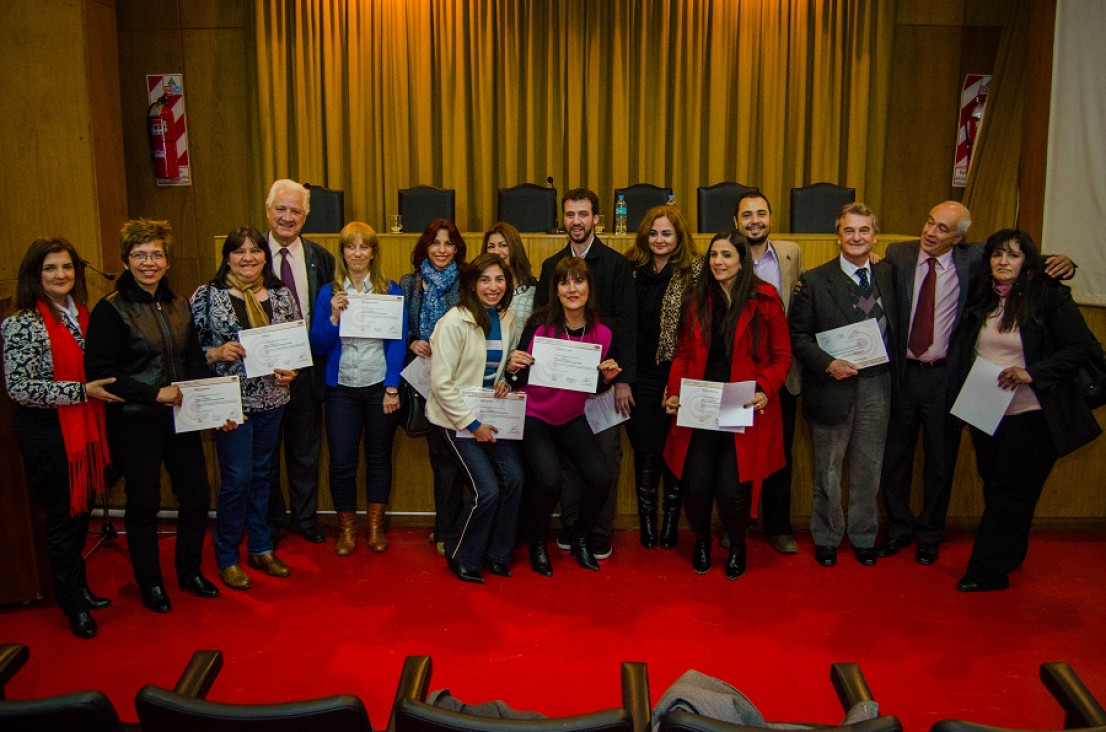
x=735 y=330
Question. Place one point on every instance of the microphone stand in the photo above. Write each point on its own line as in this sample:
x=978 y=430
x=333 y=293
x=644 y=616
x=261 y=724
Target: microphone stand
x=555 y=228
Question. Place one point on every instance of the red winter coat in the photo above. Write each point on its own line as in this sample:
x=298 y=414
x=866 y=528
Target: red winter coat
x=760 y=447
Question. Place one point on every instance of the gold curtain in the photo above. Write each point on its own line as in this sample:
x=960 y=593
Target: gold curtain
x=991 y=193
x=477 y=95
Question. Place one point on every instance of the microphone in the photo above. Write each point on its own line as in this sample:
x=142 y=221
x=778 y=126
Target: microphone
x=555 y=228
x=105 y=275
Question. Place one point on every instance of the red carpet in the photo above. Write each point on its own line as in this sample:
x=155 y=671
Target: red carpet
x=553 y=645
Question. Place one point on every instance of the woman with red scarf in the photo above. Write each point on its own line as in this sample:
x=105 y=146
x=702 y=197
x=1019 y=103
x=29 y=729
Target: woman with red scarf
x=59 y=417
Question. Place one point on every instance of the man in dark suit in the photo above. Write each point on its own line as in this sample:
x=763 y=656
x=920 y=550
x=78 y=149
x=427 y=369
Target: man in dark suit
x=613 y=282
x=847 y=407
x=305 y=267
x=931 y=287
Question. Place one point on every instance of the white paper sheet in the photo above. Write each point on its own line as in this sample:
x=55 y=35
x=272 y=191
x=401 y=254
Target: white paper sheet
x=562 y=364
x=281 y=346
x=601 y=413
x=699 y=405
x=207 y=404
x=732 y=411
x=417 y=374
x=982 y=402
x=372 y=316
x=507 y=414
x=858 y=343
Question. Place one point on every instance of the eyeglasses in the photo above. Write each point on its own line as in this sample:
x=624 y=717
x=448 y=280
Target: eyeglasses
x=297 y=212
x=147 y=256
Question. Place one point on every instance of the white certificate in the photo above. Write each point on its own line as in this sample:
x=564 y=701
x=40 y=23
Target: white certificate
x=207 y=403
x=417 y=374
x=699 y=405
x=562 y=364
x=982 y=402
x=732 y=411
x=372 y=316
x=858 y=343
x=507 y=415
x=281 y=346
x=601 y=413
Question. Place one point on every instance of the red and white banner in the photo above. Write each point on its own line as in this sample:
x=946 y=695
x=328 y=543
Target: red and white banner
x=167 y=129
x=973 y=100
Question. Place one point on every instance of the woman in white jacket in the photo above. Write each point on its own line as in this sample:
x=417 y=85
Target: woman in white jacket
x=469 y=348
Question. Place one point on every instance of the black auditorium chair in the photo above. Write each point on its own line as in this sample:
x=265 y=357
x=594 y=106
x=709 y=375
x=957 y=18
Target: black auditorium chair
x=1081 y=709
x=328 y=211
x=851 y=690
x=640 y=197
x=528 y=207
x=162 y=710
x=717 y=204
x=411 y=713
x=814 y=208
x=80 y=711
x=422 y=204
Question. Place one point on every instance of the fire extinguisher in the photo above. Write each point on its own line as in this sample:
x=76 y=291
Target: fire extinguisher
x=163 y=140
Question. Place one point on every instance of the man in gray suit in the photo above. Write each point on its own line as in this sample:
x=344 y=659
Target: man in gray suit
x=932 y=275
x=304 y=267
x=847 y=407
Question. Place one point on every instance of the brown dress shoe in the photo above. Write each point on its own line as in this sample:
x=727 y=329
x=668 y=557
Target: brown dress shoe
x=347 y=533
x=378 y=541
x=272 y=566
x=234 y=578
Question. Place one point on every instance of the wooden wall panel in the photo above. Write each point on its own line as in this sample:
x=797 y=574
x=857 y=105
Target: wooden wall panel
x=1035 y=118
x=930 y=12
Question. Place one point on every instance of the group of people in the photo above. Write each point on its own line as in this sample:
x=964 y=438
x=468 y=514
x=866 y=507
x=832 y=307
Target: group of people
x=93 y=390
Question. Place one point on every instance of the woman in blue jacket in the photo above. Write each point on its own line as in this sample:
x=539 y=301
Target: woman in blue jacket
x=362 y=394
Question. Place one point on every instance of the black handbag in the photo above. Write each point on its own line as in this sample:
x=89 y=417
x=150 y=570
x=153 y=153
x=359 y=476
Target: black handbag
x=1091 y=380
x=415 y=423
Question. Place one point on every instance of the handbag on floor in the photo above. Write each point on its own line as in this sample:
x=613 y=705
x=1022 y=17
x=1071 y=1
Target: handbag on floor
x=415 y=423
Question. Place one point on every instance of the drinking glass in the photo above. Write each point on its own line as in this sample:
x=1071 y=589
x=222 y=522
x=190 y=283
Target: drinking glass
x=397 y=223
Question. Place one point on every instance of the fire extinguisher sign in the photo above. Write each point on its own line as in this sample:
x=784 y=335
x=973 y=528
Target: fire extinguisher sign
x=167 y=129
x=973 y=101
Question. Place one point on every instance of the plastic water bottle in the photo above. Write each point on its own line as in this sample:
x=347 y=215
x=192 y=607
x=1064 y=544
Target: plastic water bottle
x=620 y=215
x=671 y=200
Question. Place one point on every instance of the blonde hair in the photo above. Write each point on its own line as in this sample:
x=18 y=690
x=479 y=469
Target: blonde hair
x=349 y=234
x=639 y=253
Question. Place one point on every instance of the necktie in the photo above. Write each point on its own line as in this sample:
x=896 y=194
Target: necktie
x=921 y=332
x=286 y=274
x=863 y=275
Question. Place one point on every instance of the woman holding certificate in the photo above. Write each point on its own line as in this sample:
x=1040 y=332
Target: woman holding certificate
x=735 y=330
x=244 y=294
x=665 y=267
x=555 y=422
x=469 y=348
x=362 y=394
x=59 y=414
x=428 y=292
x=504 y=240
x=1026 y=324
x=142 y=335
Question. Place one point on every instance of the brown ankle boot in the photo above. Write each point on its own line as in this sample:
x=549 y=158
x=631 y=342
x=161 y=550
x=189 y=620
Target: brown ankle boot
x=347 y=533
x=378 y=541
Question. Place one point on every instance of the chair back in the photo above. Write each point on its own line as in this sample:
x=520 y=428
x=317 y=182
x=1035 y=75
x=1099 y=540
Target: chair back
x=814 y=208
x=328 y=211
x=960 y=725
x=528 y=207
x=422 y=204
x=640 y=197
x=81 y=711
x=162 y=710
x=681 y=721
x=717 y=204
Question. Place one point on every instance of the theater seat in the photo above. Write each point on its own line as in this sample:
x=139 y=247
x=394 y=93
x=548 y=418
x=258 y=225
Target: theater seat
x=162 y=710
x=528 y=207
x=717 y=204
x=328 y=211
x=814 y=208
x=411 y=713
x=422 y=204
x=848 y=682
x=1082 y=710
x=640 y=197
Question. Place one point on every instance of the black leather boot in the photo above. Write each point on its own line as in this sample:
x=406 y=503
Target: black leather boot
x=648 y=478
x=670 y=511
x=539 y=558
x=735 y=565
x=582 y=552
x=700 y=556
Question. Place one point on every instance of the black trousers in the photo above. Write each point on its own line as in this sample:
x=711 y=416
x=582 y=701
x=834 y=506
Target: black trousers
x=1014 y=465
x=546 y=447
x=39 y=436
x=139 y=447
x=449 y=484
x=775 y=494
x=922 y=403
x=301 y=434
x=710 y=473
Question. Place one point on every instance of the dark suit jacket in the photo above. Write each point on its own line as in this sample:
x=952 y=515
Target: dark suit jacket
x=320 y=272
x=1056 y=342
x=615 y=294
x=825 y=302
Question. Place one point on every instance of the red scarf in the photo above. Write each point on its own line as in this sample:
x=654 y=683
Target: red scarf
x=82 y=425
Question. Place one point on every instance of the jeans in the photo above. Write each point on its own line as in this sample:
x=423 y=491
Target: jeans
x=485 y=528
x=245 y=459
x=351 y=411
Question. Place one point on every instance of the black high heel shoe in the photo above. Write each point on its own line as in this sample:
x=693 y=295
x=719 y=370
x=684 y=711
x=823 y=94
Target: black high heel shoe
x=539 y=559
x=582 y=552
x=700 y=556
x=735 y=565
